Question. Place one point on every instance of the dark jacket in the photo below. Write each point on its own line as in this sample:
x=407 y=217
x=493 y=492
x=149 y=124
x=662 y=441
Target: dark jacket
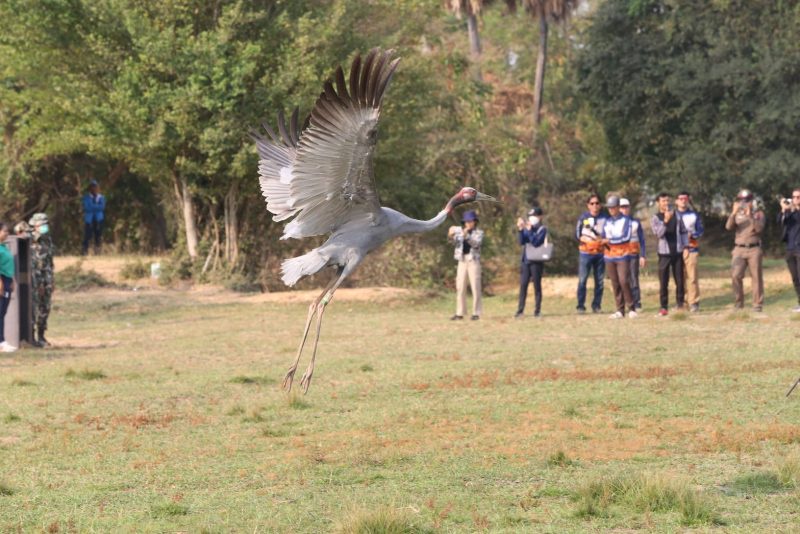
x=790 y=229
x=535 y=236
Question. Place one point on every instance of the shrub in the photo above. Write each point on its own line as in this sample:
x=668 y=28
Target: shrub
x=134 y=270
x=74 y=278
x=382 y=521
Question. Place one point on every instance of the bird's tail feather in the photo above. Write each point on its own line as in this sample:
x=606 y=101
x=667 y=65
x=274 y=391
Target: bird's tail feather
x=294 y=269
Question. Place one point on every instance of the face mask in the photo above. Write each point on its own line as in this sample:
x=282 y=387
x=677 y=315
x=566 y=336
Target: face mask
x=534 y=220
x=43 y=229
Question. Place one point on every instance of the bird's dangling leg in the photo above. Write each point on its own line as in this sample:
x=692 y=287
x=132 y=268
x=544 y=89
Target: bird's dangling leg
x=289 y=378
x=306 y=380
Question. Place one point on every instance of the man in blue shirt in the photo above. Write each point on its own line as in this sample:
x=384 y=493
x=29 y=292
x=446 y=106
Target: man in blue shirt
x=94 y=207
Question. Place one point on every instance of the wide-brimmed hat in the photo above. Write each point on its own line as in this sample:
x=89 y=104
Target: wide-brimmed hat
x=468 y=216
x=38 y=218
x=612 y=201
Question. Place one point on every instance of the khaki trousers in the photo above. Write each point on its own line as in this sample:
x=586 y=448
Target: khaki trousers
x=741 y=259
x=691 y=281
x=468 y=270
x=619 y=274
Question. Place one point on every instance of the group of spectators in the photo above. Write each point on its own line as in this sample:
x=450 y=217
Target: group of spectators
x=613 y=244
x=37 y=230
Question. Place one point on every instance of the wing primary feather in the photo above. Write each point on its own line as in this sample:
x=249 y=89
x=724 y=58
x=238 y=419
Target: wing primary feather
x=355 y=70
x=386 y=80
x=340 y=85
x=362 y=90
x=293 y=127
x=282 y=128
x=375 y=79
x=271 y=133
x=331 y=94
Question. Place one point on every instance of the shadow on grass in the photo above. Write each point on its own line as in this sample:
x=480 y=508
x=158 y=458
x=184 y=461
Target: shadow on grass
x=85 y=374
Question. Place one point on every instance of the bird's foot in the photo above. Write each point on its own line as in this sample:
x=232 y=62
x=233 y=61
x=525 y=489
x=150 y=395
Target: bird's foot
x=289 y=378
x=305 y=382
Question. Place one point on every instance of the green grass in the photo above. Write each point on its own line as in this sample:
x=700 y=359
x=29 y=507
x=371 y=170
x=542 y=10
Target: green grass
x=161 y=411
x=11 y=418
x=6 y=490
x=85 y=374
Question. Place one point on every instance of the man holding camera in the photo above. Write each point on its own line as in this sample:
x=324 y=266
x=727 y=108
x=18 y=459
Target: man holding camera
x=790 y=229
x=748 y=223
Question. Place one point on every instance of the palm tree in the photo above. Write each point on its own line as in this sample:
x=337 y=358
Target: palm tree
x=545 y=11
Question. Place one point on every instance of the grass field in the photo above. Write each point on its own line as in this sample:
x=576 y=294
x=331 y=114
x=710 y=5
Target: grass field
x=160 y=411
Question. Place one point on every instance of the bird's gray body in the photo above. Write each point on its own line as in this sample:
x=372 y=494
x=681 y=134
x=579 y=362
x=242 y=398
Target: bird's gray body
x=323 y=181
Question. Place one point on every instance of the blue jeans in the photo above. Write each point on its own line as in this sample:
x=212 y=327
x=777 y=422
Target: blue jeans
x=585 y=263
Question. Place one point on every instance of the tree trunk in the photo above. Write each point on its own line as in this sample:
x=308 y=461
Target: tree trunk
x=541 y=62
x=474 y=45
x=187 y=207
x=231 y=226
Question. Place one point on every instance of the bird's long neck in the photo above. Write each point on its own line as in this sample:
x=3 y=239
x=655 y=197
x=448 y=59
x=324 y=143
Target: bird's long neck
x=415 y=226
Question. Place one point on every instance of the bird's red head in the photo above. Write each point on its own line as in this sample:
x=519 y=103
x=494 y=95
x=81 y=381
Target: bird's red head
x=467 y=194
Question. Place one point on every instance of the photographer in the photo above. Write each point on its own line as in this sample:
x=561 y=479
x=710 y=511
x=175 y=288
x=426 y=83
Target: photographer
x=672 y=240
x=533 y=232
x=468 y=254
x=790 y=229
x=748 y=223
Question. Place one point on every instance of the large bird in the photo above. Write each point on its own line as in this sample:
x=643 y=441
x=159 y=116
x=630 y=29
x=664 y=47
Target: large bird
x=323 y=177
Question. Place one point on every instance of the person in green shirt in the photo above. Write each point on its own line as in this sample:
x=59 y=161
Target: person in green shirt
x=7 y=277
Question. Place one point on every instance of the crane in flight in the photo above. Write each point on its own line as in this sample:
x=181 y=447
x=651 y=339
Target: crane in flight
x=323 y=178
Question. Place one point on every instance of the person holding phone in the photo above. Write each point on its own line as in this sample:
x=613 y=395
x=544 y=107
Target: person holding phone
x=672 y=240
x=789 y=220
x=467 y=253
x=7 y=279
x=748 y=222
x=531 y=231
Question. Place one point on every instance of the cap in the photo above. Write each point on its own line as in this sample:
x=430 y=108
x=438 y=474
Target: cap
x=469 y=215
x=38 y=218
x=22 y=228
x=612 y=201
x=745 y=194
x=535 y=212
x=93 y=182
x=624 y=202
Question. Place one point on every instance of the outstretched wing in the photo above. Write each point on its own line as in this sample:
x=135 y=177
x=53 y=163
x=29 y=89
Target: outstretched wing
x=330 y=179
x=276 y=156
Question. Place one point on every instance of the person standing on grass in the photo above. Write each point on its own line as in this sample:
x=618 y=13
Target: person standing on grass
x=7 y=283
x=590 y=253
x=748 y=224
x=42 y=275
x=616 y=237
x=533 y=232
x=94 y=214
x=638 y=253
x=694 y=226
x=672 y=239
x=790 y=230
x=468 y=255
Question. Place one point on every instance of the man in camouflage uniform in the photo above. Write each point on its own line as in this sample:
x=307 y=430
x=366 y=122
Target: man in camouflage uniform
x=42 y=278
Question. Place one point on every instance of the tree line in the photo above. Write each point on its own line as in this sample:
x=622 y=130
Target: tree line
x=155 y=100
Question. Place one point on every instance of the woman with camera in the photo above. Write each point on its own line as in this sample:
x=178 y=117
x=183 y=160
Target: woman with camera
x=790 y=229
x=532 y=232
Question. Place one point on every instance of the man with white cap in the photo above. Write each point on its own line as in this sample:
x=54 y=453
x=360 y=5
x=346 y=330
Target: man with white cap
x=638 y=253
x=748 y=224
x=616 y=241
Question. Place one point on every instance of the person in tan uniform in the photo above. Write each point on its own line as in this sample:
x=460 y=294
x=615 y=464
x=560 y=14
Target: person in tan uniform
x=748 y=223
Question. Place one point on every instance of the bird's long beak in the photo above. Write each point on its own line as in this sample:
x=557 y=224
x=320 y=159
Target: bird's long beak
x=481 y=196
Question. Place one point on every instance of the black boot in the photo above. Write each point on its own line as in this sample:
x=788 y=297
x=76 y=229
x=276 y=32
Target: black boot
x=40 y=340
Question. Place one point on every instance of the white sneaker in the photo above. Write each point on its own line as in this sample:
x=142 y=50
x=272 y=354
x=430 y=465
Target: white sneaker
x=5 y=347
x=616 y=315
x=796 y=309
x=632 y=314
